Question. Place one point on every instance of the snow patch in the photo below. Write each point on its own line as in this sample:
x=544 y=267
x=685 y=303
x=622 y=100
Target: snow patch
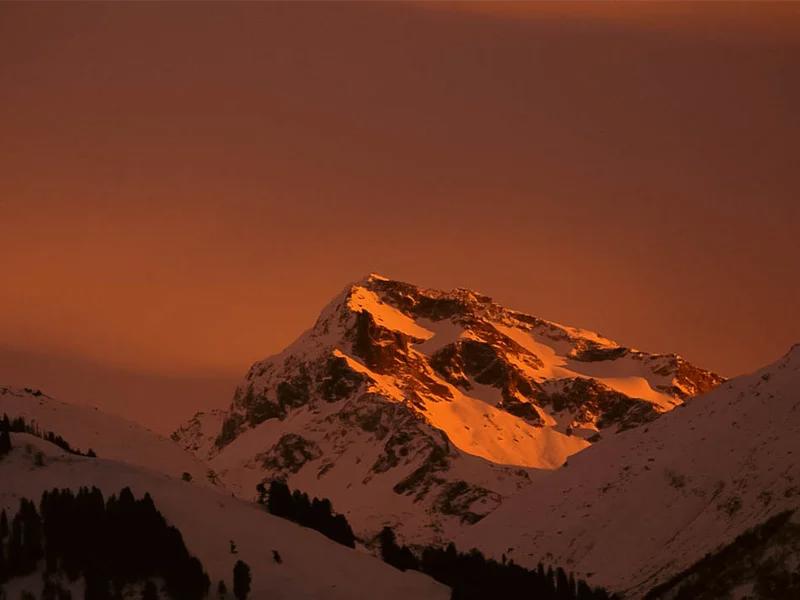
x=384 y=314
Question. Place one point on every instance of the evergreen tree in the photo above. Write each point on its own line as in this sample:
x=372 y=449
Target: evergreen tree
x=388 y=544
x=5 y=436
x=96 y=588
x=550 y=581
x=111 y=544
x=584 y=592
x=19 y=425
x=562 y=585
x=301 y=508
x=150 y=592
x=317 y=513
x=279 y=500
x=25 y=543
x=474 y=577
x=3 y=566
x=262 y=493
x=339 y=530
x=52 y=590
x=399 y=557
x=241 y=580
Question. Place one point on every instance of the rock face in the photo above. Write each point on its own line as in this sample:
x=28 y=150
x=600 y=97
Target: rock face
x=424 y=409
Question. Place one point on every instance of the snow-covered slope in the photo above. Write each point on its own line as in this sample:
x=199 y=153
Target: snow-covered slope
x=762 y=563
x=108 y=435
x=313 y=567
x=424 y=409
x=644 y=505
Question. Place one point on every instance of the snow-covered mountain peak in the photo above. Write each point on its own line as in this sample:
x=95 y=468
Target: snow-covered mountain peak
x=439 y=402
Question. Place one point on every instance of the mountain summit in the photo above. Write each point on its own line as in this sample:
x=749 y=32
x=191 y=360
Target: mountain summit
x=424 y=409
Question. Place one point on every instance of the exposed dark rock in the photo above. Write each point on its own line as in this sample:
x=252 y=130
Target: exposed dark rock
x=289 y=454
x=374 y=414
x=699 y=381
x=590 y=400
x=231 y=427
x=486 y=365
x=524 y=410
x=447 y=362
x=458 y=497
x=483 y=362
x=395 y=450
x=263 y=409
x=599 y=353
x=340 y=380
x=423 y=478
x=293 y=392
x=378 y=347
x=416 y=302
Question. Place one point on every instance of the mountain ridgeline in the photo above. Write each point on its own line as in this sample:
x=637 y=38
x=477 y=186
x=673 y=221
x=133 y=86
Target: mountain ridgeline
x=426 y=409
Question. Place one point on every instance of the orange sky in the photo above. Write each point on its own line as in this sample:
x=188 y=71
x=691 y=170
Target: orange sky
x=183 y=186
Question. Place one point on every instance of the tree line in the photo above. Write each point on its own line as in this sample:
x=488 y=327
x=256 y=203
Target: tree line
x=472 y=576
x=19 y=425
x=314 y=513
x=111 y=543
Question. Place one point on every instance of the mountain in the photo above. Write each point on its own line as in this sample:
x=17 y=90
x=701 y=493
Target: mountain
x=641 y=509
x=107 y=435
x=210 y=520
x=424 y=409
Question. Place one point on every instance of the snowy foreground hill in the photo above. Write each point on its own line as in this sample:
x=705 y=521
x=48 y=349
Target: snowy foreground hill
x=209 y=519
x=424 y=410
x=109 y=436
x=635 y=510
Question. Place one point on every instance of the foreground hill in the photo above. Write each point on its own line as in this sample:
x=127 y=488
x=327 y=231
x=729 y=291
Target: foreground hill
x=423 y=409
x=640 y=508
x=311 y=565
x=107 y=435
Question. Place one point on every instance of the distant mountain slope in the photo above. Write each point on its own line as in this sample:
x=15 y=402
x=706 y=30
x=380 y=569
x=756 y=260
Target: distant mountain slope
x=109 y=436
x=312 y=566
x=642 y=506
x=423 y=409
